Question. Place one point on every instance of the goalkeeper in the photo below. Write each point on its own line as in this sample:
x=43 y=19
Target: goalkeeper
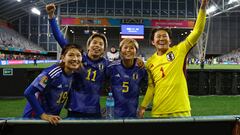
x=167 y=85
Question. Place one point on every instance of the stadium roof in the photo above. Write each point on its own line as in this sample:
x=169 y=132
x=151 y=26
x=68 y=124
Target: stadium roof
x=225 y=7
x=11 y=9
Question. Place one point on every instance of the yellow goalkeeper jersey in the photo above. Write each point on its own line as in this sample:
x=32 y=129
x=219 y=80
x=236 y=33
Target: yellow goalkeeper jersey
x=167 y=85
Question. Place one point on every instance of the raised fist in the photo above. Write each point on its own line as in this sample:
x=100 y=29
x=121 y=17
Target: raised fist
x=50 y=8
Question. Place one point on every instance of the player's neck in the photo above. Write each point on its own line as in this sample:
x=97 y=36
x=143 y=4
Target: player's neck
x=68 y=71
x=161 y=52
x=93 y=57
x=128 y=63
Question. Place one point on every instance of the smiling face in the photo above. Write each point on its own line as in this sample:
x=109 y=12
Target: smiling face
x=128 y=49
x=71 y=58
x=161 y=40
x=96 y=48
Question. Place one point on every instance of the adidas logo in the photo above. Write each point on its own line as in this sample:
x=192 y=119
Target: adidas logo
x=117 y=75
x=59 y=86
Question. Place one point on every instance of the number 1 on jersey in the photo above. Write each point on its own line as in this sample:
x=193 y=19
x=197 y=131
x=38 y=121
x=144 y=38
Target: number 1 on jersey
x=162 y=70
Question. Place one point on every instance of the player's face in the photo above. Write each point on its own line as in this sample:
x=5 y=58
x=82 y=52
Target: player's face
x=72 y=59
x=113 y=49
x=161 y=40
x=128 y=51
x=96 y=47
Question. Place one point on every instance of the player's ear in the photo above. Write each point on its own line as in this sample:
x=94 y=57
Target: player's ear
x=62 y=57
x=152 y=43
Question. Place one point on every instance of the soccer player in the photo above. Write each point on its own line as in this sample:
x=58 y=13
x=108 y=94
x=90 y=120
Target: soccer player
x=84 y=101
x=47 y=94
x=167 y=86
x=125 y=80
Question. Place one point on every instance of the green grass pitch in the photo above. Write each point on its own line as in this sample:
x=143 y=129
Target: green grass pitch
x=201 y=106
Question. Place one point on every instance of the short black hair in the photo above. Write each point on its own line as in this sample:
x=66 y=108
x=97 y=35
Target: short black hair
x=102 y=36
x=168 y=30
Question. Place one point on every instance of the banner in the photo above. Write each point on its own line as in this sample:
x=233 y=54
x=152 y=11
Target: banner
x=85 y=21
x=173 y=23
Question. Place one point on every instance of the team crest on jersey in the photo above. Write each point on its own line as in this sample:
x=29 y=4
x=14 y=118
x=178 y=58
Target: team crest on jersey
x=135 y=76
x=170 y=56
x=100 y=66
x=43 y=81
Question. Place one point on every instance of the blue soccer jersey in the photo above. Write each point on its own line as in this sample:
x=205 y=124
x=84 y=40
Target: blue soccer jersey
x=125 y=86
x=88 y=83
x=48 y=92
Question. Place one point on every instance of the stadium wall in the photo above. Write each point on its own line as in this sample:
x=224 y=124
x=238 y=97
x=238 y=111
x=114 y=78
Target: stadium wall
x=213 y=82
x=13 y=84
x=200 y=82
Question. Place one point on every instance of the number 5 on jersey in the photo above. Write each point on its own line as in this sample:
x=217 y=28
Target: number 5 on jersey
x=125 y=87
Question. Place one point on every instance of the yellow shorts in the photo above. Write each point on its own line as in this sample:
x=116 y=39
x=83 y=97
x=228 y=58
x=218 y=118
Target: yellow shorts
x=176 y=114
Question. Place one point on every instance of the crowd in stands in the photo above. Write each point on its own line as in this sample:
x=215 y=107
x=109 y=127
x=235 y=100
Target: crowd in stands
x=229 y=58
x=11 y=38
x=23 y=56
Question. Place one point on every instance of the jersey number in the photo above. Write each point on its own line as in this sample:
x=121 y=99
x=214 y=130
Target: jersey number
x=125 y=87
x=62 y=97
x=89 y=74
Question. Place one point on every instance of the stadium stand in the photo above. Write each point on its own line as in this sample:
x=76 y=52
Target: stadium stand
x=11 y=38
x=230 y=58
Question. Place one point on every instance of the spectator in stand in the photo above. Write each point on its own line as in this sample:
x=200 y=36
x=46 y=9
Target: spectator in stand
x=113 y=54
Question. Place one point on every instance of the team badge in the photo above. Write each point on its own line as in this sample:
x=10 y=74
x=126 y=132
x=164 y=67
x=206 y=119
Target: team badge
x=43 y=81
x=170 y=56
x=135 y=76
